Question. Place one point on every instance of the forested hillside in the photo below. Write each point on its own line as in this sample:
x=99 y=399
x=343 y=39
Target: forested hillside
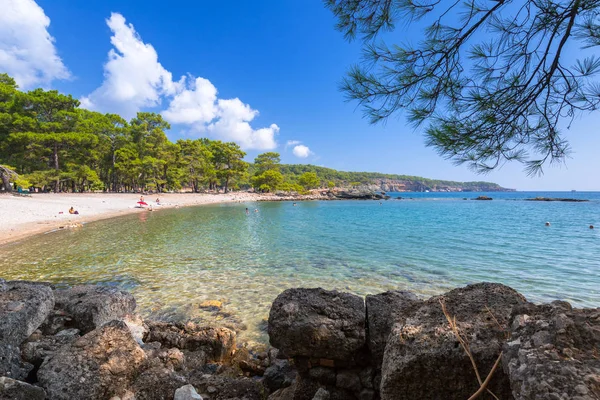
x=48 y=143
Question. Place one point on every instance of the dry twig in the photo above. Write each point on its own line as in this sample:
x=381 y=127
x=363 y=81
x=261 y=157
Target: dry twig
x=465 y=345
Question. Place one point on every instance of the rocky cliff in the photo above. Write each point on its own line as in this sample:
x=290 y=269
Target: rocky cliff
x=421 y=185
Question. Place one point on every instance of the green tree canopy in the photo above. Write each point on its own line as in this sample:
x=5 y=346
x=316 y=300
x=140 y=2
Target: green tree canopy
x=267 y=161
x=309 y=180
x=492 y=79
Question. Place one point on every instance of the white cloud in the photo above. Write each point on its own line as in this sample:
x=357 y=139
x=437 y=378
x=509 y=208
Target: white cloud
x=301 y=151
x=233 y=124
x=193 y=104
x=291 y=143
x=134 y=79
x=27 y=51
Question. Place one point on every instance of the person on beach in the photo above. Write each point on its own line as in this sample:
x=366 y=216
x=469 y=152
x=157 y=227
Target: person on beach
x=157 y=201
x=73 y=211
x=142 y=199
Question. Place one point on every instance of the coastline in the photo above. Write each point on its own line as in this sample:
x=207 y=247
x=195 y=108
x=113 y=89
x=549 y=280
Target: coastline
x=25 y=216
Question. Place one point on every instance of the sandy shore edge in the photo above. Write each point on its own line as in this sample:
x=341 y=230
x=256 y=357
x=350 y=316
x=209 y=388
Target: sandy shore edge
x=25 y=216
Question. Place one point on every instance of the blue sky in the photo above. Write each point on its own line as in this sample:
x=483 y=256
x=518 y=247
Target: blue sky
x=270 y=71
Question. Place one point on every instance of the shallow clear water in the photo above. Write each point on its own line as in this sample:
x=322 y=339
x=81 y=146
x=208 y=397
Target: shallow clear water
x=174 y=259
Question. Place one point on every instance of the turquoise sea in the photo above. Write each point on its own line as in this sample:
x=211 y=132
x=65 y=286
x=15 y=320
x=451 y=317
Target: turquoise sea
x=174 y=259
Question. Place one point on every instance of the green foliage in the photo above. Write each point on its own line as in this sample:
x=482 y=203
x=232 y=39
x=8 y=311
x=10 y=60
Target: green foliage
x=309 y=180
x=267 y=161
x=493 y=80
x=52 y=144
x=268 y=181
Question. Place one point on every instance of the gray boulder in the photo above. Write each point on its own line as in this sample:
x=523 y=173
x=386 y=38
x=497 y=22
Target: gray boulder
x=423 y=358
x=280 y=374
x=11 y=364
x=11 y=389
x=216 y=343
x=92 y=306
x=220 y=387
x=187 y=392
x=383 y=311
x=157 y=383
x=317 y=323
x=98 y=365
x=36 y=349
x=23 y=308
x=553 y=352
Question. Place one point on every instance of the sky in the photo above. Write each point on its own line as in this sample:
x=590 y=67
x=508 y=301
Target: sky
x=264 y=74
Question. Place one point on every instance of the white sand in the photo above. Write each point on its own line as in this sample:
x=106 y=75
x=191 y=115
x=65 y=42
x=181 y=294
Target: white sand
x=25 y=216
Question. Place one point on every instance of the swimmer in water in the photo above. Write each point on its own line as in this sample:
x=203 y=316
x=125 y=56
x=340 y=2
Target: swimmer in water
x=547 y=223
x=256 y=210
x=247 y=212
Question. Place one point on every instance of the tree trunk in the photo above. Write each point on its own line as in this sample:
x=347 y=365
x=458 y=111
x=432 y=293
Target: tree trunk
x=226 y=184
x=56 y=167
x=6 y=182
x=114 y=174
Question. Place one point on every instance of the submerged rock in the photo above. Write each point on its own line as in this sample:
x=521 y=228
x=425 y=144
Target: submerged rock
x=11 y=389
x=423 y=358
x=92 y=306
x=23 y=308
x=557 y=199
x=553 y=352
x=317 y=323
x=211 y=305
x=98 y=365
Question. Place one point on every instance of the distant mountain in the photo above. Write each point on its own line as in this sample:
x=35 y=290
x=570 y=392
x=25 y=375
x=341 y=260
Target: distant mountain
x=390 y=182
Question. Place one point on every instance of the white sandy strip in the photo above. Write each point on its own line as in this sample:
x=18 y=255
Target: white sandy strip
x=25 y=216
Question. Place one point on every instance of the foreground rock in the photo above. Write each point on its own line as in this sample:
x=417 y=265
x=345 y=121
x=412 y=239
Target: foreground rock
x=217 y=387
x=11 y=364
x=217 y=343
x=92 y=306
x=96 y=366
x=11 y=389
x=553 y=352
x=383 y=311
x=23 y=308
x=187 y=392
x=317 y=323
x=423 y=358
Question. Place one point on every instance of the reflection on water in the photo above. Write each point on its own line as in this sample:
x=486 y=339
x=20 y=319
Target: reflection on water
x=175 y=259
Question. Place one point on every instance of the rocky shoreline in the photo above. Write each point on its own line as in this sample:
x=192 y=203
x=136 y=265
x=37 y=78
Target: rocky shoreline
x=86 y=342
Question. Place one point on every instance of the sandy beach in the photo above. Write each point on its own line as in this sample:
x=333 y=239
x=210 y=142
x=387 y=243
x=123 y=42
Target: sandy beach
x=23 y=216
